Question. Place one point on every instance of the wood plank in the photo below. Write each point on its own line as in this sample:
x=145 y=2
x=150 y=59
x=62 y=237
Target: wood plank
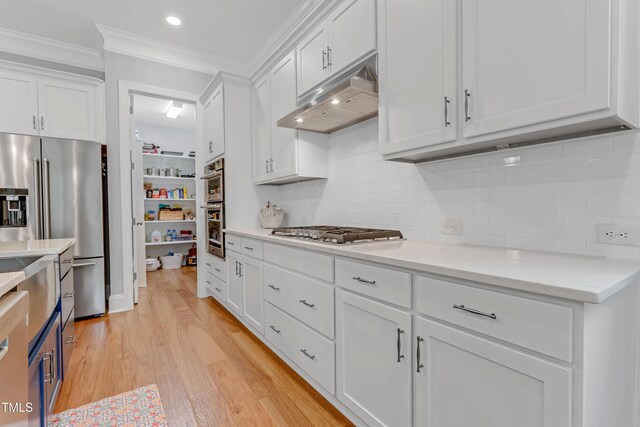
x=210 y=370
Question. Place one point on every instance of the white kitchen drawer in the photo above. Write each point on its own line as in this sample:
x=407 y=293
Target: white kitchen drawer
x=233 y=242
x=308 y=349
x=309 y=263
x=305 y=299
x=379 y=282
x=216 y=266
x=537 y=325
x=217 y=287
x=252 y=248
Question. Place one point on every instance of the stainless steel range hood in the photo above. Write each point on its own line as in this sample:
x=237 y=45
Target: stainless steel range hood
x=349 y=101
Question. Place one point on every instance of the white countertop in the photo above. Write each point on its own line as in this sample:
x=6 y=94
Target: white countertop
x=574 y=277
x=9 y=280
x=29 y=248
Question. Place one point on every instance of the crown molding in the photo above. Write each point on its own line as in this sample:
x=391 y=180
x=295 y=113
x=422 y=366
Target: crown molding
x=305 y=17
x=20 y=43
x=126 y=43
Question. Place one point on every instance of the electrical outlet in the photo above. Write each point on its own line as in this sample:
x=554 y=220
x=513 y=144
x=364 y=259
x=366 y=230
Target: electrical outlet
x=451 y=227
x=616 y=234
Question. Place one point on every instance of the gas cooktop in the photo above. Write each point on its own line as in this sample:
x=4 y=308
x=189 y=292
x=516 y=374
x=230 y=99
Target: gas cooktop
x=335 y=234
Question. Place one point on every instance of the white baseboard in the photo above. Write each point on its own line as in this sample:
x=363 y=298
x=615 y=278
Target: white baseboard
x=119 y=303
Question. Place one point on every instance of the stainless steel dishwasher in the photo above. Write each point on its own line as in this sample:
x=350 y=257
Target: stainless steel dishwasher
x=14 y=398
x=41 y=283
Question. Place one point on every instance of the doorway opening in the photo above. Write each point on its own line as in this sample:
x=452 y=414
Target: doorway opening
x=163 y=154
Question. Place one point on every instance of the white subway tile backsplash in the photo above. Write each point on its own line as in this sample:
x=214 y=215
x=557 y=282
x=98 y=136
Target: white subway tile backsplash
x=546 y=197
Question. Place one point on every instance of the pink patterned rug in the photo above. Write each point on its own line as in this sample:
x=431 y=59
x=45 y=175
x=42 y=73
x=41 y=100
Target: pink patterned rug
x=141 y=407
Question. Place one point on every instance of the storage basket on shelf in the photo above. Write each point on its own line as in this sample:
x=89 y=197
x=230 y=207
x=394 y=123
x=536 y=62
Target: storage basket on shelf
x=170 y=215
x=171 y=262
x=152 y=264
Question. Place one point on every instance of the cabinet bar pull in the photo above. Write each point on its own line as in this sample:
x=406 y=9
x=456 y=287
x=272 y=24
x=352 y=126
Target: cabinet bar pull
x=418 y=341
x=249 y=248
x=218 y=289
x=69 y=294
x=34 y=121
x=70 y=339
x=207 y=264
x=218 y=270
x=52 y=366
x=304 y=351
x=307 y=304
x=237 y=268
x=400 y=356
x=266 y=165
x=41 y=122
x=467 y=95
x=324 y=67
x=474 y=311
x=230 y=243
x=240 y=266
x=446 y=111
x=277 y=331
x=47 y=358
x=271 y=165
x=360 y=279
x=329 y=64
x=274 y=288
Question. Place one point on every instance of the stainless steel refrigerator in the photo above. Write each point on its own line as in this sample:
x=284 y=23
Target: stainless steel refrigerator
x=63 y=179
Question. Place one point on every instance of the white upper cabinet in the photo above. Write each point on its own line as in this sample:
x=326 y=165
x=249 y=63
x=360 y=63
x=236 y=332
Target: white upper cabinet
x=352 y=33
x=213 y=128
x=528 y=71
x=217 y=113
x=283 y=155
x=345 y=37
x=283 y=102
x=464 y=380
x=417 y=73
x=261 y=130
x=527 y=62
x=67 y=109
x=312 y=59
x=19 y=106
x=47 y=105
x=207 y=129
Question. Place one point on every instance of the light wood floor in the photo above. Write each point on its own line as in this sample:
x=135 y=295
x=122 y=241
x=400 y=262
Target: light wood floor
x=210 y=370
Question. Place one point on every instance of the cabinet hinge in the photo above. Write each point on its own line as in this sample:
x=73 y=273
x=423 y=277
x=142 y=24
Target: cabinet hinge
x=135 y=276
x=133 y=166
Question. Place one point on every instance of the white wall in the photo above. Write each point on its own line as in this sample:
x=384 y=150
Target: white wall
x=171 y=139
x=550 y=201
x=122 y=67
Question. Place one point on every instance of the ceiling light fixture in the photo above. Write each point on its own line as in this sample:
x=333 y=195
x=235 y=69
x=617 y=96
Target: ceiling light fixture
x=174 y=20
x=175 y=108
x=299 y=120
x=335 y=102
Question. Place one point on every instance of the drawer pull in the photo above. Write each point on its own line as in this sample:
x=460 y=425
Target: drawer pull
x=277 y=331
x=400 y=356
x=208 y=282
x=307 y=304
x=218 y=270
x=360 y=279
x=418 y=341
x=474 y=311
x=274 y=287
x=310 y=356
x=207 y=264
x=219 y=290
x=249 y=248
x=69 y=294
x=230 y=243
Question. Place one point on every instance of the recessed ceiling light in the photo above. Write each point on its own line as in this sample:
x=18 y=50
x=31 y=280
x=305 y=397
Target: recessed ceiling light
x=174 y=20
x=299 y=120
x=335 y=102
x=174 y=110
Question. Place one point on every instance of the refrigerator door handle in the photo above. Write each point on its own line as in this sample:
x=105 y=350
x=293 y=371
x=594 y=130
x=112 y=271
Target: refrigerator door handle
x=46 y=197
x=37 y=197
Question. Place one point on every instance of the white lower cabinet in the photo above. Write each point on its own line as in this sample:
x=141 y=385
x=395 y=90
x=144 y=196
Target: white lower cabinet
x=234 y=281
x=373 y=359
x=253 y=303
x=309 y=350
x=464 y=380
